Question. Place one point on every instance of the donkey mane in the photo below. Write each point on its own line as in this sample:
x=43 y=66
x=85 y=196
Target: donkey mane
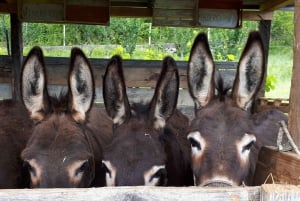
x=59 y=102
x=221 y=89
x=140 y=110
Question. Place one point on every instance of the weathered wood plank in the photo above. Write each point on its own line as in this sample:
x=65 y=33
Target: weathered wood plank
x=134 y=193
x=257 y=15
x=276 y=192
x=175 y=4
x=121 y=11
x=283 y=167
x=5 y=91
x=275 y=4
x=138 y=73
x=294 y=113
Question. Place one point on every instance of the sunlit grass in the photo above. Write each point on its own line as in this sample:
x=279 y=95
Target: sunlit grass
x=280 y=64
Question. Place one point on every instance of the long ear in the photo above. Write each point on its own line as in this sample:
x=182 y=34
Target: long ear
x=201 y=72
x=250 y=73
x=34 y=85
x=165 y=96
x=114 y=91
x=81 y=85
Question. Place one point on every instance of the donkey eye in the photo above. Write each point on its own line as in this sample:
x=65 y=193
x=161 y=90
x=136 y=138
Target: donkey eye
x=110 y=173
x=248 y=146
x=194 y=143
x=84 y=167
x=160 y=176
x=30 y=168
x=106 y=170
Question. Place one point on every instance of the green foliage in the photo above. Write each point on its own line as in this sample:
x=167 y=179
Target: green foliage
x=270 y=83
x=230 y=57
x=282 y=28
x=120 y=51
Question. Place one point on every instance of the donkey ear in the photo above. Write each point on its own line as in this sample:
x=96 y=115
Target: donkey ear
x=201 y=72
x=34 y=84
x=166 y=93
x=114 y=91
x=250 y=73
x=81 y=85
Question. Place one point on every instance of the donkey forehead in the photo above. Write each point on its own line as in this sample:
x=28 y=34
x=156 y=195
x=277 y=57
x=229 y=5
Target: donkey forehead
x=133 y=142
x=222 y=118
x=134 y=146
x=56 y=134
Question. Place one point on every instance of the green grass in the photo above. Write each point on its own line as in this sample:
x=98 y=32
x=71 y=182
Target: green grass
x=280 y=64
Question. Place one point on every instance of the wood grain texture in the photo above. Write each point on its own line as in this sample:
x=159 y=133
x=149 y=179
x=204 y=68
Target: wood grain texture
x=283 y=167
x=138 y=73
x=135 y=193
x=276 y=192
x=294 y=113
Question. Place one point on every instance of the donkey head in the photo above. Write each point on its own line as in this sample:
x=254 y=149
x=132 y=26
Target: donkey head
x=58 y=154
x=222 y=134
x=137 y=155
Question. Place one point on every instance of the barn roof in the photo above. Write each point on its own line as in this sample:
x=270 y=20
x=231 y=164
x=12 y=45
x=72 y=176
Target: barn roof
x=163 y=12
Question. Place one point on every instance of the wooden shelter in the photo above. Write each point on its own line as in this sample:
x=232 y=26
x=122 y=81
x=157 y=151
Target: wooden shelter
x=188 y=13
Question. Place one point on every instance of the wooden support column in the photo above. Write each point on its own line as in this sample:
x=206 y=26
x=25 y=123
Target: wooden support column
x=16 y=54
x=265 y=31
x=294 y=113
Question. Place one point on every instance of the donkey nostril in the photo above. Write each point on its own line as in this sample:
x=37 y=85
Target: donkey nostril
x=217 y=184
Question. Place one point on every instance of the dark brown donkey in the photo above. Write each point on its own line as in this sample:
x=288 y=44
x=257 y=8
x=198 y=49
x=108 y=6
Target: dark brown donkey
x=15 y=129
x=225 y=137
x=65 y=147
x=149 y=145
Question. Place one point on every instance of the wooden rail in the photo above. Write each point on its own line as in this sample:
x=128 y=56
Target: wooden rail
x=266 y=192
x=141 y=77
x=277 y=103
x=138 y=73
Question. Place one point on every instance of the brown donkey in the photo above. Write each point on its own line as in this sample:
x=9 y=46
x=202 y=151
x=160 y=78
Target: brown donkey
x=225 y=137
x=149 y=145
x=15 y=129
x=65 y=149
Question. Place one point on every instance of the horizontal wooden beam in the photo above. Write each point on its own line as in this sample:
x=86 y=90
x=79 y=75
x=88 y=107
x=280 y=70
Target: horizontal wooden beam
x=8 y=8
x=257 y=15
x=278 y=167
x=272 y=5
x=117 y=11
x=138 y=73
x=135 y=193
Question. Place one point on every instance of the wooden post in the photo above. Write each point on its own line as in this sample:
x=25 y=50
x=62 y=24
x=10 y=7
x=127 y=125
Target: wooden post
x=17 y=54
x=294 y=113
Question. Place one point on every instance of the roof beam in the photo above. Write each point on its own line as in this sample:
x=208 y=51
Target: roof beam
x=272 y=5
x=120 y=11
x=8 y=7
x=257 y=15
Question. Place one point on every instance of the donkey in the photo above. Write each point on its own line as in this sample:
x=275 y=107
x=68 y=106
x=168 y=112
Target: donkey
x=149 y=145
x=225 y=136
x=65 y=148
x=15 y=130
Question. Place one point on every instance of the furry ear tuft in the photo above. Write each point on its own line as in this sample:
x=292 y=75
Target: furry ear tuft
x=81 y=85
x=34 y=85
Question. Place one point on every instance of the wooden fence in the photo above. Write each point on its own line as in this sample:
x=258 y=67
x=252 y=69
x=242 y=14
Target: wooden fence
x=266 y=192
